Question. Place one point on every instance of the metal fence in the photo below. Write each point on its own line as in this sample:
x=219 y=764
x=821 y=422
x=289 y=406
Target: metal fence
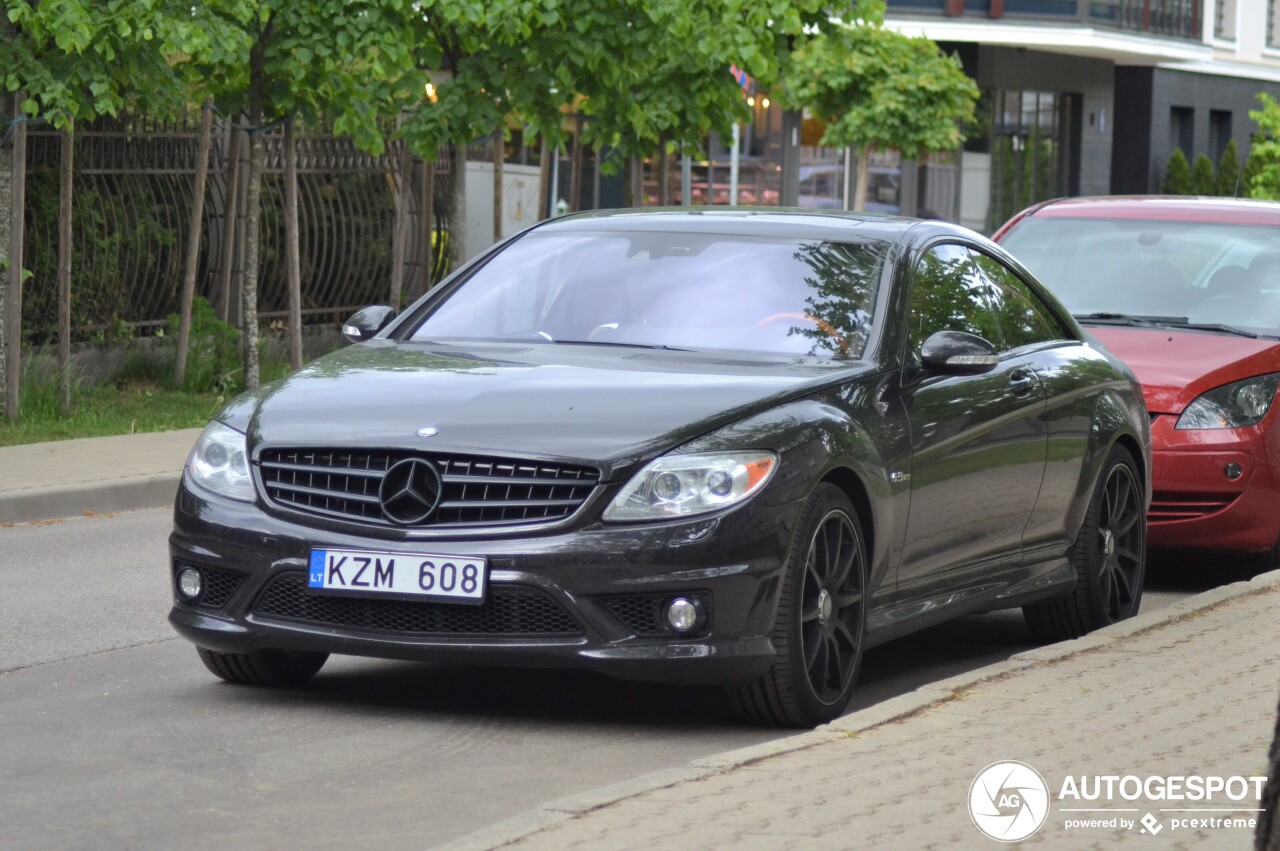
x=133 y=194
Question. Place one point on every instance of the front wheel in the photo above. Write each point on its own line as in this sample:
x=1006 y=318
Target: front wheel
x=1109 y=557
x=821 y=621
x=263 y=667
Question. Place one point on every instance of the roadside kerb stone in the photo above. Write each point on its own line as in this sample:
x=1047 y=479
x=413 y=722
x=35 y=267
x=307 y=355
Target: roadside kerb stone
x=895 y=709
x=98 y=475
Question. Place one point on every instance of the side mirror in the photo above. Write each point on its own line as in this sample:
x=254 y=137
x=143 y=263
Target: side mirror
x=958 y=353
x=366 y=322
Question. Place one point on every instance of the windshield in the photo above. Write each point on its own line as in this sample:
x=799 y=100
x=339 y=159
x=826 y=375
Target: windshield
x=1178 y=273
x=669 y=290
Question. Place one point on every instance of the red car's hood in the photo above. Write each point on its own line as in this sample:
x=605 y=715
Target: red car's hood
x=1177 y=366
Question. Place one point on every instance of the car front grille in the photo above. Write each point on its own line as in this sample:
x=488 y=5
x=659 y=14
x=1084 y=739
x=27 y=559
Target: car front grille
x=1170 y=507
x=509 y=610
x=476 y=491
x=642 y=613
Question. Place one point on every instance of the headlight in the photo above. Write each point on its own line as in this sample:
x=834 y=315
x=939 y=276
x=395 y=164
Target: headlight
x=219 y=462
x=684 y=485
x=1236 y=405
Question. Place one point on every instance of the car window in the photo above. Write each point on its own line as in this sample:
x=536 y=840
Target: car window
x=949 y=294
x=679 y=290
x=1023 y=315
x=1176 y=271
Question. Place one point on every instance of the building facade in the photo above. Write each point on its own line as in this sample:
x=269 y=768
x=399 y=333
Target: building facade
x=1083 y=97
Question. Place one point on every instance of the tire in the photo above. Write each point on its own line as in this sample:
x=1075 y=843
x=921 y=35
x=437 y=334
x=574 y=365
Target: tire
x=820 y=624
x=1109 y=557
x=263 y=667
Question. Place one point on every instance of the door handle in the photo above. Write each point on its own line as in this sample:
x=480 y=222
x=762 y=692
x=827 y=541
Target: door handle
x=1021 y=383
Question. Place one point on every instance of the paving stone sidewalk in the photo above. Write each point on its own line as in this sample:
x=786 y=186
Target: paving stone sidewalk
x=1187 y=691
x=40 y=481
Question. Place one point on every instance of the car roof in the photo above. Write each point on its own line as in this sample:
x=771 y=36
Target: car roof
x=793 y=223
x=1174 y=208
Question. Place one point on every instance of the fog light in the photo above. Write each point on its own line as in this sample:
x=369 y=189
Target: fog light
x=190 y=583
x=1232 y=470
x=684 y=615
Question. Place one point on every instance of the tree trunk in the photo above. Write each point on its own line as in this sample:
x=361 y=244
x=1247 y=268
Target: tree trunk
x=252 y=205
x=6 y=175
x=860 y=191
x=428 y=223
x=664 y=174
x=458 y=226
x=544 y=181
x=66 y=189
x=636 y=182
x=193 y=244
x=293 y=252
x=400 y=229
x=231 y=222
x=575 y=169
x=499 y=156
x=13 y=301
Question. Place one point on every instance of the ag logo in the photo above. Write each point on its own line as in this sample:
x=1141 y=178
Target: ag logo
x=1008 y=801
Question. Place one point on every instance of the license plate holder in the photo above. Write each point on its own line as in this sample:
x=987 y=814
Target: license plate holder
x=405 y=576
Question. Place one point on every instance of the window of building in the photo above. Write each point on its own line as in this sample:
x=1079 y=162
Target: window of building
x=1219 y=132
x=1032 y=140
x=1273 y=23
x=1182 y=129
x=1224 y=24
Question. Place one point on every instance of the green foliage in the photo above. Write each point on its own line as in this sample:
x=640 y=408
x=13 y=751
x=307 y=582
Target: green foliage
x=1202 y=178
x=78 y=59
x=1264 y=153
x=1177 y=175
x=1252 y=165
x=879 y=89
x=214 y=357
x=1227 y=179
x=641 y=71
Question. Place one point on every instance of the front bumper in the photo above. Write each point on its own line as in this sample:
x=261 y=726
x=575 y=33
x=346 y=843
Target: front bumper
x=1197 y=505
x=581 y=598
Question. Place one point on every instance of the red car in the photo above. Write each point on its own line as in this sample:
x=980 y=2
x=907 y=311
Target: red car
x=1187 y=292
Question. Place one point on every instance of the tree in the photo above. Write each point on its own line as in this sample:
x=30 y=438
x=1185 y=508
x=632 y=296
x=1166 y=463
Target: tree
x=1202 y=179
x=643 y=74
x=1227 y=179
x=73 y=61
x=1177 y=175
x=1263 y=166
x=315 y=60
x=878 y=89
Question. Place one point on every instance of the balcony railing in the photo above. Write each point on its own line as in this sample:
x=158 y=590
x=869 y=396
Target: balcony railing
x=1165 y=18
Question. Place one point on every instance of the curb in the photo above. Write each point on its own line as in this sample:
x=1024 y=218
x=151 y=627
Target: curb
x=126 y=494
x=555 y=812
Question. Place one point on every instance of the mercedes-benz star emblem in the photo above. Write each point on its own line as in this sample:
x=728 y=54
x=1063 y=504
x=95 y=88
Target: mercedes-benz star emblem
x=410 y=491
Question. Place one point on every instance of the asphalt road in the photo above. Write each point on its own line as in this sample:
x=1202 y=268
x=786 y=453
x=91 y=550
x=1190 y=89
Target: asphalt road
x=113 y=735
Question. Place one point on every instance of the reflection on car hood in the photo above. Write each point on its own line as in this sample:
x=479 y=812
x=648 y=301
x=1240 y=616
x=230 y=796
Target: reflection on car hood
x=1175 y=366
x=612 y=405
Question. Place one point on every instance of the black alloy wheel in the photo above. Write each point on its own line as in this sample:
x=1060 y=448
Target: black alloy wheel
x=820 y=623
x=1109 y=558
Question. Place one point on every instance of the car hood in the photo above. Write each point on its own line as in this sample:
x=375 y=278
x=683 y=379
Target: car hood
x=612 y=406
x=1174 y=367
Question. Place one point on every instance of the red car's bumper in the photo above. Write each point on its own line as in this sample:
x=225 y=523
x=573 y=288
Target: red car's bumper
x=1197 y=505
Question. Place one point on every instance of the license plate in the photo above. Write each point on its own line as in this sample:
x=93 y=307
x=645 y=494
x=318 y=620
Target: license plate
x=457 y=579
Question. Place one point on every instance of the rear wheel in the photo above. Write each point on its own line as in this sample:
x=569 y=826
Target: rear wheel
x=1109 y=557
x=263 y=667
x=820 y=623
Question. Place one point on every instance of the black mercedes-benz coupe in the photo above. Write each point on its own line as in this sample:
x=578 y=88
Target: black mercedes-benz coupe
x=717 y=446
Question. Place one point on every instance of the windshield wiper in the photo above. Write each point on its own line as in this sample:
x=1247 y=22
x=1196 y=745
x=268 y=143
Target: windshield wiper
x=1129 y=319
x=615 y=343
x=1214 y=326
